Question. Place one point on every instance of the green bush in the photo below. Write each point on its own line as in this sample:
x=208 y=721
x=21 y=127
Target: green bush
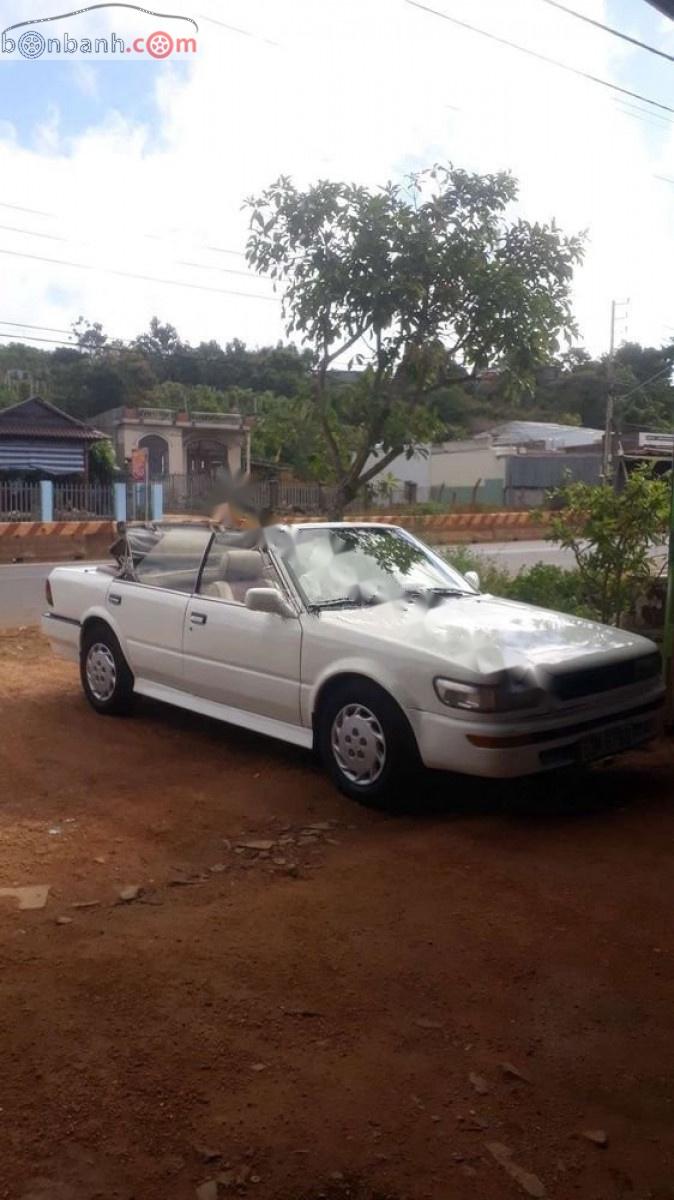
x=551 y=587
x=543 y=584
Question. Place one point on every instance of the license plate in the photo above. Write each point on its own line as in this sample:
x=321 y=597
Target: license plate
x=617 y=738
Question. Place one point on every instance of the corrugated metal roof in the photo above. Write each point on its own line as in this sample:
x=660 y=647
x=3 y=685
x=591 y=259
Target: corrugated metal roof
x=50 y=456
x=550 y=470
x=521 y=432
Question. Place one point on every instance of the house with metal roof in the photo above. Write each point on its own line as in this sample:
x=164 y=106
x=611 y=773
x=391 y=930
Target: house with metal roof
x=37 y=437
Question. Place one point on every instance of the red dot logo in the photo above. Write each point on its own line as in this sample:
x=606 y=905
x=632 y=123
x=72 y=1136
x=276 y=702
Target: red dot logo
x=159 y=44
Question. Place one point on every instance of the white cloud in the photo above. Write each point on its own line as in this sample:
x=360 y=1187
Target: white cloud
x=359 y=89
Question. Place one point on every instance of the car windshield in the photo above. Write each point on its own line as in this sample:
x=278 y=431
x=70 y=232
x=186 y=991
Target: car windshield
x=357 y=566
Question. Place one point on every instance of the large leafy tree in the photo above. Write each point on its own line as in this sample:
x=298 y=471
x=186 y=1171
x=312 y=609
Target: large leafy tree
x=412 y=280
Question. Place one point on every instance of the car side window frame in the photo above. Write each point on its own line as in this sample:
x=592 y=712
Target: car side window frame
x=268 y=561
x=157 y=587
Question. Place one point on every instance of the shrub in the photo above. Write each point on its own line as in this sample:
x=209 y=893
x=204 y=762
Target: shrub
x=610 y=534
x=543 y=584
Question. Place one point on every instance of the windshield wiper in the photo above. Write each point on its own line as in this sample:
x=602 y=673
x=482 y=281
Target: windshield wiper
x=437 y=591
x=339 y=602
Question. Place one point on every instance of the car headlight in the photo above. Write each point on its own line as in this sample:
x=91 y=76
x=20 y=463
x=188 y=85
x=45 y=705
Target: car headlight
x=474 y=697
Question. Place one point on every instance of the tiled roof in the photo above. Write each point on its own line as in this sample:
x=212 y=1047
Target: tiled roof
x=37 y=418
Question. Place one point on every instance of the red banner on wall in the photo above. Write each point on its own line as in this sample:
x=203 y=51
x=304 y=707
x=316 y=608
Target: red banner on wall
x=139 y=465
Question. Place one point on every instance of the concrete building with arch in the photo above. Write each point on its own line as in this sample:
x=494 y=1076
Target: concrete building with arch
x=205 y=444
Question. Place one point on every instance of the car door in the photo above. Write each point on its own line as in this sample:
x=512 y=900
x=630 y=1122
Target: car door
x=149 y=609
x=237 y=657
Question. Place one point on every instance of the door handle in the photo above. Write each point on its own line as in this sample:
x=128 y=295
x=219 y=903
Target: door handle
x=198 y=618
x=113 y=598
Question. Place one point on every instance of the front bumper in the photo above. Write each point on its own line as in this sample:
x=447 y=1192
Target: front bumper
x=501 y=750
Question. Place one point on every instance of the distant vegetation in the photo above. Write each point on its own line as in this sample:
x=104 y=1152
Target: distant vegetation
x=160 y=369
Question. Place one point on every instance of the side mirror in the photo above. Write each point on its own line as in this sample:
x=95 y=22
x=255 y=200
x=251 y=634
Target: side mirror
x=268 y=600
x=473 y=579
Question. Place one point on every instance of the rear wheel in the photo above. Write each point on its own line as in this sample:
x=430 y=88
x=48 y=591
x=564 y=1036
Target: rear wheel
x=366 y=744
x=106 y=678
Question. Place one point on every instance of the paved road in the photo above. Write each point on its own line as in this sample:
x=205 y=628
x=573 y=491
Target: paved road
x=22 y=599
x=22 y=585
x=512 y=556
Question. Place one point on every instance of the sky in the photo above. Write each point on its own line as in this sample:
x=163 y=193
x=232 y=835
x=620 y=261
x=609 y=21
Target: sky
x=135 y=169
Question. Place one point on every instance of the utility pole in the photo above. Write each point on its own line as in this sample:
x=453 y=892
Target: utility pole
x=607 y=461
x=668 y=635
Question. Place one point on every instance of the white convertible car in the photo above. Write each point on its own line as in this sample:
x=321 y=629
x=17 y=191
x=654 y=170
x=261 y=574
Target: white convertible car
x=356 y=640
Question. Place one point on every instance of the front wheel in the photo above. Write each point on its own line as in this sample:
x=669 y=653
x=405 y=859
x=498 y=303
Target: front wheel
x=106 y=678
x=366 y=744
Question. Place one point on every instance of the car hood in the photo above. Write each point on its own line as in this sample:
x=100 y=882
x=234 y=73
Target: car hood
x=483 y=635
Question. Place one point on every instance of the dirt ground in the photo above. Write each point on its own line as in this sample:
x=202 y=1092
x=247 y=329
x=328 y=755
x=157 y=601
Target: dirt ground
x=368 y=1008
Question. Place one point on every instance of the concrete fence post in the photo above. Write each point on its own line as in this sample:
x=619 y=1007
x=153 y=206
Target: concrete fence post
x=119 y=501
x=157 y=500
x=46 y=500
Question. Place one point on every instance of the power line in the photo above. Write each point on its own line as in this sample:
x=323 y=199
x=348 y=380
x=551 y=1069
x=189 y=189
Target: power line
x=52 y=237
x=247 y=274
x=114 y=346
x=644 y=112
x=153 y=237
x=244 y=32
x=26 y=337
x=199 y=287
x=555 y=62
x=609 y=29
x=36 y=212
x=25 y=325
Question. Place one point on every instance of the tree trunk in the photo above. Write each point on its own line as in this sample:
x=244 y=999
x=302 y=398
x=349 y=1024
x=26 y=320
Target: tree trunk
x=343 y=494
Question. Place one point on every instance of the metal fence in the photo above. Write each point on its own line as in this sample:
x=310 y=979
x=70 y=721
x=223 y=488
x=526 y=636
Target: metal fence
x=83 y=501
x=19 y=501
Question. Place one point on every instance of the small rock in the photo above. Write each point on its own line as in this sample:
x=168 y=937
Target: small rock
x=280 y=862
x=227 y=1178
x=34 y=896
x=86 y=904
x=259 y=1067
x=598 y=1137
x=293 y=871
x=100 y=860
x=256 y=1179
x=208 y=1190
x=64 y=920
x=227 y=845
x=321 y=826
x=424 y=1023
x=218 y=868
x=207 y=1154
x=435 y=1119
x=481 y=1086
x=336 y=1175
x=512 y=1072
x=467 y=1170
x=127 y=894
x=260 y=844
x=530 y=1184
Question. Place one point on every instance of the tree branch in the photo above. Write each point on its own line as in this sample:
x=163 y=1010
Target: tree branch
x=330 y=358
x=380 y=465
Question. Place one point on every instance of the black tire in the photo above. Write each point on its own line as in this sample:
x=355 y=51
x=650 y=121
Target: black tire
x=105 y=675
x=379 y=741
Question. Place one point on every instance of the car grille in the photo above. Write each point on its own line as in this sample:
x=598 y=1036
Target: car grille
x=573 y=685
